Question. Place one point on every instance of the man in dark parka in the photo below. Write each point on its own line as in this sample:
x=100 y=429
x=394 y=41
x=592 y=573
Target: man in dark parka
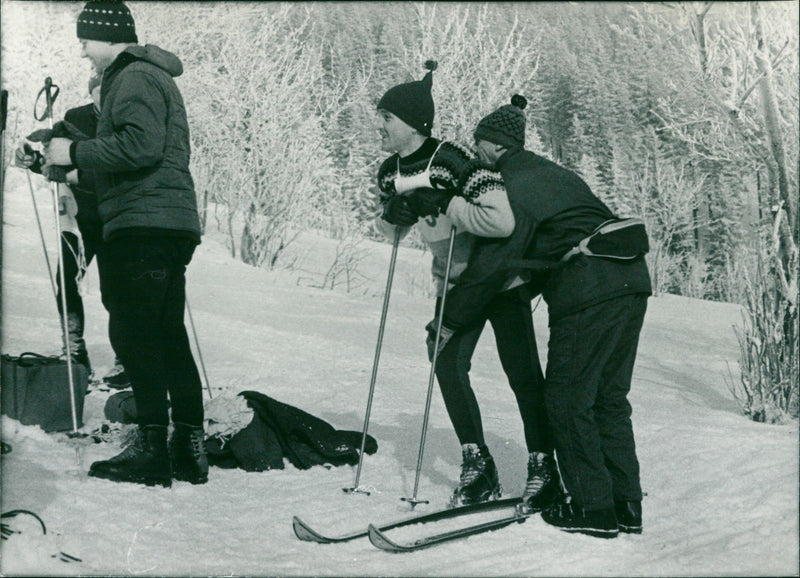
x=596 y=310
x=146 y=201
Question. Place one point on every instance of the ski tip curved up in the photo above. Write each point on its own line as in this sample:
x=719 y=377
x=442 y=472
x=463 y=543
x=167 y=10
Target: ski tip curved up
x=379 y=540
x=304 y=532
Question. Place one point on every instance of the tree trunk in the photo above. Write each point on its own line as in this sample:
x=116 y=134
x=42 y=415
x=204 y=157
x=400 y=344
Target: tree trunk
x=779 y=181
x=700 y=35
x=701 y=212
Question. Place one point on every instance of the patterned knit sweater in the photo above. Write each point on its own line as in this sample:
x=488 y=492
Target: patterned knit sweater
x=480 y=207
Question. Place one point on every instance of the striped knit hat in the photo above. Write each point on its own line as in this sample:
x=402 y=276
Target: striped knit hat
x=506 y=125
x=412 y=102
x=107 y=22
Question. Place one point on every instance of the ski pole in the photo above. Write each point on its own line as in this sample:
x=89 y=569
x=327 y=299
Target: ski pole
x=41 y=236
x=3 y=114
x=50 y=92
x=197 y=345
x=413 y=499
x=392 y=261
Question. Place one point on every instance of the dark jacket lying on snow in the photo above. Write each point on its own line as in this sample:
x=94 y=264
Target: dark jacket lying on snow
x=280 y=431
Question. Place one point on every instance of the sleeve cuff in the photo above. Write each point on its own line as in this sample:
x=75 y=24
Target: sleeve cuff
x=445 y=204
x=73 y=149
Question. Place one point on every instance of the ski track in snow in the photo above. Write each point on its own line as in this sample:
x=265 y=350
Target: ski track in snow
x=722 y=492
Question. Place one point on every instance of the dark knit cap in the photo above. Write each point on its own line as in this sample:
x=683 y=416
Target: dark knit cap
x=506 y=125
x=412 y=102
x=107 y=22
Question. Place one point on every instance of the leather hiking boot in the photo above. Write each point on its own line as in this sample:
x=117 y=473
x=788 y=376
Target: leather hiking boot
x=543 y=487
x=570 y=517
x=629 y=516
x=145 y=461
x=187 y=450
x=478 y=481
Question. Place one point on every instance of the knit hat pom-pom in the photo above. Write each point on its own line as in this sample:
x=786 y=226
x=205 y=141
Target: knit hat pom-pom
x=519 y=101
x=431 y=65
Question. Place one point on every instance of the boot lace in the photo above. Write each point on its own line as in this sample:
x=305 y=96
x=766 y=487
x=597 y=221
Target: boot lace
x=538 y=474
x=197 y=444
x=472 y=467
x=132 y=445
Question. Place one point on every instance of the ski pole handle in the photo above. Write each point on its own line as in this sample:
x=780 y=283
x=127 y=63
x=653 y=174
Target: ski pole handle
x=50 y=92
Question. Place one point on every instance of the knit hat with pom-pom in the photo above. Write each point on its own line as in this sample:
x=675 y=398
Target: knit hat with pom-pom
x=412 y=102
x=506 y=125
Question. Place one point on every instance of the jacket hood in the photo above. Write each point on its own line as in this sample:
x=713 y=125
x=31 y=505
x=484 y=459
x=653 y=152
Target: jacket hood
x=156 y=56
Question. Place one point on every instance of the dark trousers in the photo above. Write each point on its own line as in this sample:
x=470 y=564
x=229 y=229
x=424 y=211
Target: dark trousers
x=512 y=322
x=91 y=229
x=146 y=294
x=589 y=367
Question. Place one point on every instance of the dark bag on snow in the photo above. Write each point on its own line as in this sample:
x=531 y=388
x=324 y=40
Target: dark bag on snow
x=121 y=407
x=279 y=431
x=35 y=390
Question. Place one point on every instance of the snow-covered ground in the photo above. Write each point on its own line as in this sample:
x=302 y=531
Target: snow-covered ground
x=722 y=492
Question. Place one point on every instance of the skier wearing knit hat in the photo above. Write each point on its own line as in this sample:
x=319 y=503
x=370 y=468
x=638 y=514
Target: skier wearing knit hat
x=451 y=188
x=146 y=201
x=596 y=308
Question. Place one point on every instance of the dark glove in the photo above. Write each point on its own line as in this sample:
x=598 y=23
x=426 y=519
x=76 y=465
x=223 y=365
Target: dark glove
x=61 y=129
x=426 y=202
x=29 y=158
x=397 y=212
x=444 y=338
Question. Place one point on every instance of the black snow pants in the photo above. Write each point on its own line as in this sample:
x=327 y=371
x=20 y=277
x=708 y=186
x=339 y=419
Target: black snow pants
x=146 y=295
x=590 y=362
x=512 y=323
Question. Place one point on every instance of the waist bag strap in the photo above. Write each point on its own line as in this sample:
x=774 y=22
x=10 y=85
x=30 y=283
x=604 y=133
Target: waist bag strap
x=614 y=239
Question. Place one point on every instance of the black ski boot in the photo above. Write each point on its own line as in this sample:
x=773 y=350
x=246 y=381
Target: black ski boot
x=478 y=481
x=145 y=461
x=629 y=516
x=570 y=517
x=543 y=487
x=187 y=450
